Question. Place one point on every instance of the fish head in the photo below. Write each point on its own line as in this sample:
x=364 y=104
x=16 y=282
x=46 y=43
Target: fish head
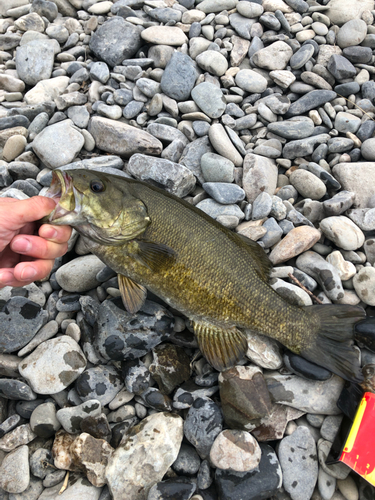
x=98 y=205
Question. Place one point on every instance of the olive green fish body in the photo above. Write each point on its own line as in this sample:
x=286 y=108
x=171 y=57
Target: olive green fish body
x=215 y=277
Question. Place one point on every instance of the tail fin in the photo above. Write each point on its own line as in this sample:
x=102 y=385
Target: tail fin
x=333 y=345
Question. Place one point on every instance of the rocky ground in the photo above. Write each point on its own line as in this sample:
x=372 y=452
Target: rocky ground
x=261 y=113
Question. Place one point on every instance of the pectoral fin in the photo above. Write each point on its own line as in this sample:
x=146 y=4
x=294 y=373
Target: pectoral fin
x=155 y=255
x=221 y=347
x=133 y=295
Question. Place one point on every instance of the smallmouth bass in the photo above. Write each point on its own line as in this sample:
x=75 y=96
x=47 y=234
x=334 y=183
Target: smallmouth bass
x=215 y=277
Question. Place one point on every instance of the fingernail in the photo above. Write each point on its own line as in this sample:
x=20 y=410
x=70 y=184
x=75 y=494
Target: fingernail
x=6 y=277
x=21 y=245
x=49 y=232
x=28 y=273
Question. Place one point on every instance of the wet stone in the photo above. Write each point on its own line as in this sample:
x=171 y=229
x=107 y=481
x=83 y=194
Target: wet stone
x=16 y=390
x=259 y=484
x=122 y=336
x=43 y=420
x=100 y=382
x=303 y=368
x=203 y=423
x=180 y=488
x=71 y=418
x=187 y=461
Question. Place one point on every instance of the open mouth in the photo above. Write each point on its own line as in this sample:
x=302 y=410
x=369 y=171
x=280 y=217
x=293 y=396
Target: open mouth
x=67 y=196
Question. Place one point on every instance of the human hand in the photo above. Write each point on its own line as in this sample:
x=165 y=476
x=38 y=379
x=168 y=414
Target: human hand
x=25 y=257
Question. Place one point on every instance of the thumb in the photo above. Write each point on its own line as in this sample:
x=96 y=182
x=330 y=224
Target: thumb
x=22 y=211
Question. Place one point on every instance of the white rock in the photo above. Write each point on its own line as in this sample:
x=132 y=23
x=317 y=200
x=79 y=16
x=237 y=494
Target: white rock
x=235 y=450
x=364 y=285
x=153 y=446
x=343 y=232
x=345 y=269
x=47 y=90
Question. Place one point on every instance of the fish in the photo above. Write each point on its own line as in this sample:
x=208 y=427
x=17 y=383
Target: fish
x=217 y=278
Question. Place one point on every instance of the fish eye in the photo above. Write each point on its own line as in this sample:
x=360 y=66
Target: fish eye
x=97 y=186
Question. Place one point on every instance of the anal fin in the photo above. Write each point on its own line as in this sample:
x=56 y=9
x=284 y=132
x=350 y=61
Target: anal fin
x=133 y=295
x=222 y=347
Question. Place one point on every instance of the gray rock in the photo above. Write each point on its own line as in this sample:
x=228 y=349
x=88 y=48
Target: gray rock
x=275 y=56
x=203 y=423
x=304 y=147
x=77 y=487
x=330 y=427
x=101 y=383
x=115 y=40
x=364 y=218
x=346 y=122
x=119 y=138
x=212 y=61
x=343 y=232
x=223 y=144
x=176 y=178
x=273 y=235
x=368 y=149
x=79 y=274
x=58 y=144
x=338 y=470
x=262 y=206
x=215 y=209
x=352 y=32
x=34 y=61
x=298 y=127
x=358 y=178
x=305 y=395
x=120 y=336
x=210 y=99
x=224 y=192
x=125 y=471
x=242 y=25
x=302 y=55
x=339 y=203
x=21 y=319
x=16 y=390
x=179 y=77
x=259 y=174
x=54 y=365
x=14 y=471
x=340 y=67
x=43 y=420
x=251 y=81
x=357 y=54
x=311 y=100
x=308 y=184
x=192 y=154
x=216 y=168
x=71 y=418
x=298 y=460
x=324 y=273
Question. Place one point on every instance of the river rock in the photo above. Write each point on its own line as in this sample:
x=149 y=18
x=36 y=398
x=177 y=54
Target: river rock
x=259 y=174
x=343 y=232
x=235 y=450
x=155 y=443
x=54 y=365
x=115 y=40
x=121 y=139
x=275 y=56
x=58 y=144
x=176 y=178
x=14 y=471
x=210 y=99
x=179 y=77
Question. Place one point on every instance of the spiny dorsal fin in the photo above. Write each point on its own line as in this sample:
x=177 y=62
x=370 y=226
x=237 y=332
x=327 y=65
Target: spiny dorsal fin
x=155 y=255
x=221 y=347
x=261 y=262
x=133 y=295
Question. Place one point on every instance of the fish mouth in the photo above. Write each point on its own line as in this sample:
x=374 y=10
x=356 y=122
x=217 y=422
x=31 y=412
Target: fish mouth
x=69 y=199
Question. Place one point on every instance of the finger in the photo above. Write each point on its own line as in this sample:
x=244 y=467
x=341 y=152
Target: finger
x=25 y=211
x=25 y=273
x=37 y=247
x=8 y=258
x=58 y=234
